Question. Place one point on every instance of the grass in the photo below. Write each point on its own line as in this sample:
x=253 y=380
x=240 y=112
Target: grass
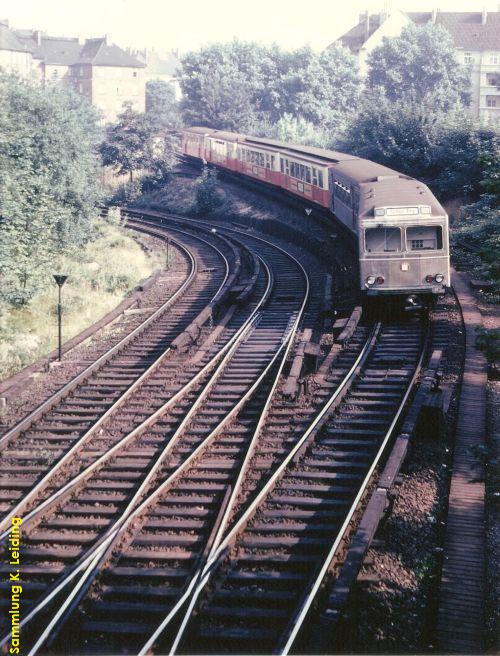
x=102 y=275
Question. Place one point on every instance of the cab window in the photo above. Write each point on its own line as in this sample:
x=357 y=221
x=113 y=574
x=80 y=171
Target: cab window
x=383 y=240
x=424 y=238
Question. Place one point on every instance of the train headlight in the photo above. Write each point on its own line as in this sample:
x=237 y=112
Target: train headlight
x=429 y=279
x=370 y=280
x=380 y=280
x=439 y=277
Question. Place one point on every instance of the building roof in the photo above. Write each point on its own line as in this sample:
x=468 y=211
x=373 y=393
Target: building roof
x=356 y=36
x=66 y=51
x=9 y=39
x=466 y=28
x=100 y=53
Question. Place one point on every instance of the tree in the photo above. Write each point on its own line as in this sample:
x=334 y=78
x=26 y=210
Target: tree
x=129 y=143
x=445 y=149
x=215 y=92
x=299 y=131
x=161 y=105
x=417 y=65
x=49 y=181
x=248 y=87
x=323 y=88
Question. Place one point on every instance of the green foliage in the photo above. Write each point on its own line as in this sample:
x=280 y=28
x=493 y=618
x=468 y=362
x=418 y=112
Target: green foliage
x=445 y=149
x=419 y=65
x=299 y=131
x=134 y=144
x=247 y=87
x=161 y=106
x=206 y=194
x=489 y=342
x=323 y=88
x=128 y=146
x=49 y=185
x=102 y=273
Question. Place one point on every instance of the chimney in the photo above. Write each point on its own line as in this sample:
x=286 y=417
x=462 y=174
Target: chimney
x=434 y=14
x=81 y=40
x=37 y=36
x=483 y=16
x=107 y=39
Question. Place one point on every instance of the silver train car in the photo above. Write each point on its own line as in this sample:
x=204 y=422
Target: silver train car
x=400 y=228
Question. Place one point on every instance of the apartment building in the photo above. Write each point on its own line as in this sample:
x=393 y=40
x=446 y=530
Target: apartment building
x=97 y=69
x=476 y=37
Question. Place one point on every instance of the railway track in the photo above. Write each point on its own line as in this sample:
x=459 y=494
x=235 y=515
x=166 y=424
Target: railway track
x=50 y=436
x=212 y=522
x=274 y=561
x=62 y=535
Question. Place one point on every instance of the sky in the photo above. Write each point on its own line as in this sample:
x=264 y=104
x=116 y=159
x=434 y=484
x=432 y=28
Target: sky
x=189 y=24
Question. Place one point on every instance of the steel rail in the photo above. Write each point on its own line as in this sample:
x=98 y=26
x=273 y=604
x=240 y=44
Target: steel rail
x=297 y=621
x=230 y=502
x=215 y=557
x=27 y=498
x=105 y=548
x=128 y=514
x=103 y=543
x=287 y=341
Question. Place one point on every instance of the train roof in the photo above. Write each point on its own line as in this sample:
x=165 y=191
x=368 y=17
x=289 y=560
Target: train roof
x=329 y=156
x=227 y=136
x=200 y=130
x=400 y=192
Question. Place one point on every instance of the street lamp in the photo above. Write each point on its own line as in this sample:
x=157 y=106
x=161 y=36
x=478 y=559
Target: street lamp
x=168 y=253
x=60 y=280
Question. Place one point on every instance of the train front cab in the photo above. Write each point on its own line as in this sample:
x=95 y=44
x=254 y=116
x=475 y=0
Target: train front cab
x=406 y=256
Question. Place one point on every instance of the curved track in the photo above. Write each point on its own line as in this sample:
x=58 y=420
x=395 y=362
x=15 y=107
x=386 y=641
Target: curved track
x=209 y=522
x=260 y=335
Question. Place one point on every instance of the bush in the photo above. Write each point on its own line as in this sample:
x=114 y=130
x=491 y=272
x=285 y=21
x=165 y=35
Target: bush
x=489 y=342
x=206 y=195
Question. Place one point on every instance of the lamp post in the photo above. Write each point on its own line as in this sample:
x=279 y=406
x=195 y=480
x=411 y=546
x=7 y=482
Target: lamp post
x=60 y=280
x=168 y=253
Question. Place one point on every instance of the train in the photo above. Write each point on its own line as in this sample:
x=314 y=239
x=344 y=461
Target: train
x=399 y=227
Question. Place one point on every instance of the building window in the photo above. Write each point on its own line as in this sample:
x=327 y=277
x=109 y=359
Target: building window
x=491 y=101
x=493 y=79
x=494 y=59
x=468 y=58
x=134 y=73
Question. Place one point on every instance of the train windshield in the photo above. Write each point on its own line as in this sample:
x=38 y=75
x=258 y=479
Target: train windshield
x=383 y=240
x=424 y=238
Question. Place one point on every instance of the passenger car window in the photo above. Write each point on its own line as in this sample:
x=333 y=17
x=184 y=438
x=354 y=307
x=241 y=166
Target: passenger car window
x=383 y=240
x=424 y=238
